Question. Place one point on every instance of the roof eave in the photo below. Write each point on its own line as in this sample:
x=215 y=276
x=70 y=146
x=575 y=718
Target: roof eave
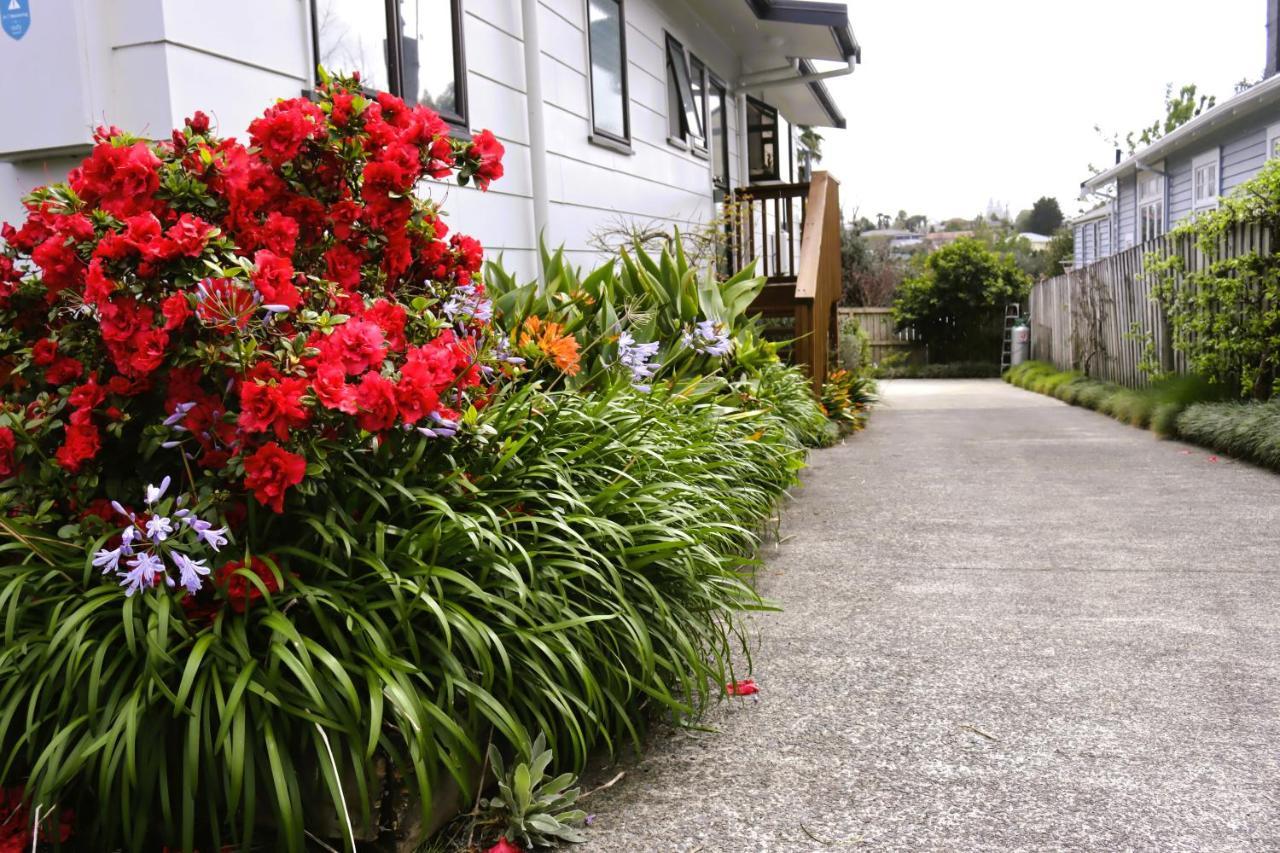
x=832 y=15
x=1221 y=114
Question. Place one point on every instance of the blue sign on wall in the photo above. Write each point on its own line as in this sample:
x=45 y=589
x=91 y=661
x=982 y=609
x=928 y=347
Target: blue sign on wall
x=15 y=17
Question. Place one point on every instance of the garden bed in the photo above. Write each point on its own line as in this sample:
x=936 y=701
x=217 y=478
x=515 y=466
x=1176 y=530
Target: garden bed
x=305 y=519
x=1186 y=408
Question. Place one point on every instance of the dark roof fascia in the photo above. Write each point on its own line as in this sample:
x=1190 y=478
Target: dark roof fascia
x=821 y=93
x=833 y=15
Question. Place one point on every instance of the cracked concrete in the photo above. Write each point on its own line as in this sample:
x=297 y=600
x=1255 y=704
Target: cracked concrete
x=1008 y=624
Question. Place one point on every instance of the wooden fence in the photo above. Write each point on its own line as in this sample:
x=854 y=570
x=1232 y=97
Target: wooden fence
x=886 y=341
x=1103 y=320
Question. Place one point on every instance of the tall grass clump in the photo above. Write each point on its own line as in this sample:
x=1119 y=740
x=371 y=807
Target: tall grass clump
x=1248 y=431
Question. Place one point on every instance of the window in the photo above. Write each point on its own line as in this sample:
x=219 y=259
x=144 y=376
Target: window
x=718 y=132
x=1204 y=180
x=1150 y=205
x=698 y=83
x=1273 y=141
x=606 y=39
x=684 y=114
x=424 y=65
x=762 y=141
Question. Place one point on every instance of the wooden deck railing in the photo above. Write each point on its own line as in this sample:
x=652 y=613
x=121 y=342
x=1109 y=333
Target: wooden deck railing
x=793 y=232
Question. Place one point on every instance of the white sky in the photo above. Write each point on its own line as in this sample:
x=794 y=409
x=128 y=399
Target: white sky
x=959 y=103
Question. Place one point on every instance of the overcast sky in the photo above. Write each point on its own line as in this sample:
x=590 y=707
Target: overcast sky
x=959 y=103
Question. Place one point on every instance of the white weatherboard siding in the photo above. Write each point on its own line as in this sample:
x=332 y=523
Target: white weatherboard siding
x=144 y=65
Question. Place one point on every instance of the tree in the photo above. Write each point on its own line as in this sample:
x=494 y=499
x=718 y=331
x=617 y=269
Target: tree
x=1061 y=248
x=1046 y=216
x=957 y=301
x=871 y=274
x=812 y=140
x=1178 y=110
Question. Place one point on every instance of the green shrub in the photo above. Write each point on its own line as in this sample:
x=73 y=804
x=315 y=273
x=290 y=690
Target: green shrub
x=1246 y=430
x=582 y=569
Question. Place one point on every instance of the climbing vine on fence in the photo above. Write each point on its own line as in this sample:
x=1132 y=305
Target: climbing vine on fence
x=1225 y=316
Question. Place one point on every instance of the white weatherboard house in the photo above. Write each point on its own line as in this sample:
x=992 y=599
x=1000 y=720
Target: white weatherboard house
x=611 y=111
x=1187 y=171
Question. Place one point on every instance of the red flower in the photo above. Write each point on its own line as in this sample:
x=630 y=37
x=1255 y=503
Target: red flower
x=376 y=400
x=746 y=687
x=358 y=345
x=89 y=395
x=342 y=266
x=270 y=472
x=44 y=351
x=276 y=406
x=187 y=237
x=8 y=465
x=504 y=846
x=280 y=132
x=488 y=150
x=82 y=443
x=330 y=387
x=176 y=311
x=242 y=592
x=122 y=180
x=63 y=371
x=273 y=276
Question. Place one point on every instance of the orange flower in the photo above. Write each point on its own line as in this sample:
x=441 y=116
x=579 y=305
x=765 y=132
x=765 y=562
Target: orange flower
x=551 y=339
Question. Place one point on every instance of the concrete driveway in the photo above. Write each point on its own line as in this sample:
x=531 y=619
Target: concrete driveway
x=1008 y=624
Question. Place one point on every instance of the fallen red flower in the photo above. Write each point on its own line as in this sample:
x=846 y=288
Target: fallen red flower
x=746 y=687
x=504 y=846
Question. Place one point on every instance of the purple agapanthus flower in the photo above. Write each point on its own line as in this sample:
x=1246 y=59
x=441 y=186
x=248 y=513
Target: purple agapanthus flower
x=159 y=528
x=145 y=568
x=190 y=571
x=466 y=303
x=709 y=338
x=637 y=358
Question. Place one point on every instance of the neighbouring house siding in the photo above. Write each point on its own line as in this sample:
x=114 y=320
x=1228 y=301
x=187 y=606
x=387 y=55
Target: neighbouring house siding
x=1178 y=169
x=1104 y=238
x=1242 y=156
x=1079 y=246
x=1127 y=207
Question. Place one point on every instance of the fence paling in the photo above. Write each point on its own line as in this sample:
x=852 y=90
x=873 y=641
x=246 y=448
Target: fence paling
x=1102 y=317
x=886 y=340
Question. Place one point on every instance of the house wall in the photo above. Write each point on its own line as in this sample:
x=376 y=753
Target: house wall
x=146 y=64
x=1127 y=212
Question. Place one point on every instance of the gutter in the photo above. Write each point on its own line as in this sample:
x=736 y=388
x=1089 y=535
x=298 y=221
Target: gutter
x=537 y=130
x=1266 y=93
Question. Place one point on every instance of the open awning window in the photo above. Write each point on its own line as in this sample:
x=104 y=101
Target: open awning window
x=686 y=116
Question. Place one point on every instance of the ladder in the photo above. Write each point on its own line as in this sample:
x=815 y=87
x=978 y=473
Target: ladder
x=1012 y=313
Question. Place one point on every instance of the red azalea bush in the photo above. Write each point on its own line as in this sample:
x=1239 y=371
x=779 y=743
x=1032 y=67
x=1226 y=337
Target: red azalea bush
x=230 y=314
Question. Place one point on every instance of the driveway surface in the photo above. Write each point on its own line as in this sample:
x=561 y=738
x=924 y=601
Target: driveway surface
x=1008 y=624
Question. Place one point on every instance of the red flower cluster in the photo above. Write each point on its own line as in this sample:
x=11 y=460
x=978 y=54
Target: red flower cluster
x=16 y=821
x=250 y=305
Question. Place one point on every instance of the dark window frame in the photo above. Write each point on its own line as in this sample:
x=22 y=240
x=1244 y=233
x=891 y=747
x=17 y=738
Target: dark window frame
x=600 y=136
x=459 y=120
x=773 y=175
x=717 y=84
x=677 y=62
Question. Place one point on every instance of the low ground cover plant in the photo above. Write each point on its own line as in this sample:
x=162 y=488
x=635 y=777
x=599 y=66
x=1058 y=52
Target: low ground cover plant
x=1185 y=407
x=297 y=519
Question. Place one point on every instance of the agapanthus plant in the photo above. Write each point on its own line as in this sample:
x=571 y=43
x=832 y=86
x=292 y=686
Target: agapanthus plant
x=237 y=313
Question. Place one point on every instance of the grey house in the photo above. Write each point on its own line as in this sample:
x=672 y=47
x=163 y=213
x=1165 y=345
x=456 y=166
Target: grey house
x=1187 y=171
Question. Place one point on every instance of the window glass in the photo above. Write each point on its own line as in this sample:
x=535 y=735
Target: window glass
x=762 y=141
x=428 y=55
x=608 y=77
x=683 y=108
x=718 y=124
x=352 y=36
x=698 y=84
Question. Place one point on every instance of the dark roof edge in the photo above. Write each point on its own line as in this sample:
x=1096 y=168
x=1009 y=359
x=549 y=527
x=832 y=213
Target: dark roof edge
x=823 y=96
x=833 y=15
